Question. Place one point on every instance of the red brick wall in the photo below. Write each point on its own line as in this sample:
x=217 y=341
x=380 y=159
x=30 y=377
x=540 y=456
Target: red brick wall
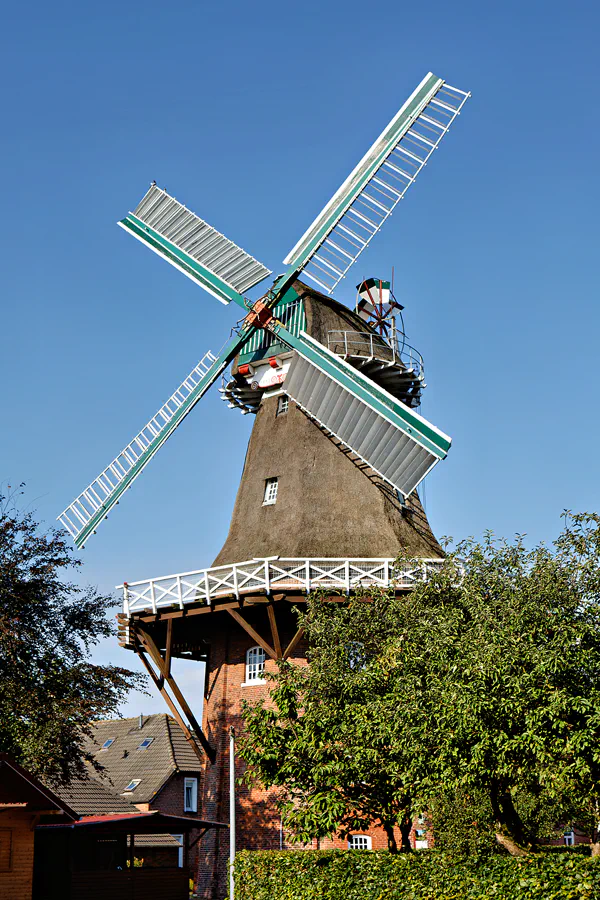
x=170 y=800
x=17 y=883
x=258 y=825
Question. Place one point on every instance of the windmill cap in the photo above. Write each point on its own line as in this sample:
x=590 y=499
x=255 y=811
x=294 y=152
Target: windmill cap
x=369 y=283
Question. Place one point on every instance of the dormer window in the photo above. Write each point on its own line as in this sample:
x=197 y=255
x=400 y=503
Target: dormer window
x=271 y=485
x=107 y=744
x=132 y=785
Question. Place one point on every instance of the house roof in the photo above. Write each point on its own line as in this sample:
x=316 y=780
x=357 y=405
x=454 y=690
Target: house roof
x=88 y=796
x=124 y=761
x=19 y=788
x=153 y=822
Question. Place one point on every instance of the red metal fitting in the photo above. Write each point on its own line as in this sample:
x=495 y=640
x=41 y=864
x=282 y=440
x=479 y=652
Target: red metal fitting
x=260 y=315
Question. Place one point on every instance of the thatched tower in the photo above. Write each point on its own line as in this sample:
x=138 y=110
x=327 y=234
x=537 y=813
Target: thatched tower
x=327 y=505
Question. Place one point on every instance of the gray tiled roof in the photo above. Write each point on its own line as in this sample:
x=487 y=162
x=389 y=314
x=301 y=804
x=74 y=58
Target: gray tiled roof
x=156 y=840
x=88 y=797
x=123 y=762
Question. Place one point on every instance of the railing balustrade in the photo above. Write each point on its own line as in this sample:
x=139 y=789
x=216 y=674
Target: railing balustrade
x=268 y=575
x=393 y=350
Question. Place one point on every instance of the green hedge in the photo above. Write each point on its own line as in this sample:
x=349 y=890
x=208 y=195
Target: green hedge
x=379 y=875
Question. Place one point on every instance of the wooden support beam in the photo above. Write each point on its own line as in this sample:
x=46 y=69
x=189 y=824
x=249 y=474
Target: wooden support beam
x=169 y=648
x=293 y=643
x=159 y=662
x=274 y=630
x=176 y=715
x=151 y=618
x=252 y=632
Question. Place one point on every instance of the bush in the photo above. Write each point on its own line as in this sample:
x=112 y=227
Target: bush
x=427 y=875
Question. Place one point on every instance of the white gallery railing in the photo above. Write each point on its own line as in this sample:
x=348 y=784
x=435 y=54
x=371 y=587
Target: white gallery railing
x=271 y=575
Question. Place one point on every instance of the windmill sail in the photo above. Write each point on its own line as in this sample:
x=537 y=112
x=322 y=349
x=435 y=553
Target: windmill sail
x=84 y=514
x=395 y=441
x=371 y=192
x=194 y=247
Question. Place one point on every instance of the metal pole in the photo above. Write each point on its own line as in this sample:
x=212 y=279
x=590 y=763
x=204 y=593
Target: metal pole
x=231 y=811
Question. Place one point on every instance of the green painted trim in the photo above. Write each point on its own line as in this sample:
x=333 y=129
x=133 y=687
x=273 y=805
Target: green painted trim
x=201 y=388
x=183 y=260
x=393 y=410
x=326 y=221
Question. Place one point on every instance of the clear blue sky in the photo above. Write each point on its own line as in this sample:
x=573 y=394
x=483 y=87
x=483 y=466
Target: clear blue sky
x=252 y=114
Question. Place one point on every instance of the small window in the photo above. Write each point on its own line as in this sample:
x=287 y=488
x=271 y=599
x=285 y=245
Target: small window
x=271 y=485
x=133 y=784
x=283 y=405
x=145 y=743
x=357 y=658
x=359 y=842
x=255 y=665
x=569 y=838
x=5 y=849
x=107 y=744
x=190 y=795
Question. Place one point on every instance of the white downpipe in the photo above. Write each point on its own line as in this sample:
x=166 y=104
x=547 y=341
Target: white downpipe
x=231 y=812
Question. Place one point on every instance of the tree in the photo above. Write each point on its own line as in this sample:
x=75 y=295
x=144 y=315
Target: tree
x=325 y=736
x=480 y=683
x=49 y=690
x=511 y=651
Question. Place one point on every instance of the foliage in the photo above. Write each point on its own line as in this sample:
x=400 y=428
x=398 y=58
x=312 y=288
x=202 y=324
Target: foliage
x=509 y=655
x=324 y=735
x=49 y=690
x=480 y=683
x=428 y=875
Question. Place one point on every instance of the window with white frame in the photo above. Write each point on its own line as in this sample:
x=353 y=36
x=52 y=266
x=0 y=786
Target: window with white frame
x=359 y=842
x=283 y=404
x=569 y=838
x=190 y=795
x=421 y=842
x=179 y=839
x=133 y=784
x=271 y=485
x=255 y=665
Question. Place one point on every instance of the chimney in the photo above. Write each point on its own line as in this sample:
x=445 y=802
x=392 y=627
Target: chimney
x=141 y=725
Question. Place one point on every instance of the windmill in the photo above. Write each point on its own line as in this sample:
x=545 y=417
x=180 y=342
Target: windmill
x=356 y=409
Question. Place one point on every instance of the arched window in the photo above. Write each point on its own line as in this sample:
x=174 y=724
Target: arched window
x=359 y=842
x=255 y=665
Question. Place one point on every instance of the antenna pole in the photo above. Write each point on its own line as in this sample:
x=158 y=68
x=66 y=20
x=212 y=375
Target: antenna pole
x=231 y=812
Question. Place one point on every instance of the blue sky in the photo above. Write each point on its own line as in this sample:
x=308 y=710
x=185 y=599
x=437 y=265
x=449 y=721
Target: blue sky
x=252 y=115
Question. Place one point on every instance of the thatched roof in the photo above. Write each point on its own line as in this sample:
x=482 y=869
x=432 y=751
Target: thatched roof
x=326 y=506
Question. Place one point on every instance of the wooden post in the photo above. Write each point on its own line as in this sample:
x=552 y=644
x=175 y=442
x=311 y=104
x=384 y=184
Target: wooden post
x=159 y=682
x=252 y=632
x=293 y=643
x=274 y=630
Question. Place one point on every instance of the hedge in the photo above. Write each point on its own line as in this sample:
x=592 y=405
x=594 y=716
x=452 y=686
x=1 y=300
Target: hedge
x=427 y=875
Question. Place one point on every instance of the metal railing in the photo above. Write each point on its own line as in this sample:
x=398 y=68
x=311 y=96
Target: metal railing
x=372 y=346
x=267 y=575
